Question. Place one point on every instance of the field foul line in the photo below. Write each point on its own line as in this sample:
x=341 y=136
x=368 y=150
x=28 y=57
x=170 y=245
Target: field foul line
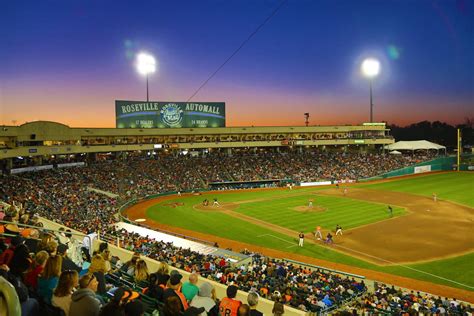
x=406 y=267
x=292 y=244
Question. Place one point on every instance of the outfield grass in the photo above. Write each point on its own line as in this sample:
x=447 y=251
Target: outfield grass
x=453 y=186
x=277 y=207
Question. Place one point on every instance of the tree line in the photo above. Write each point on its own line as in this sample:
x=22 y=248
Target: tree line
x=436 y=132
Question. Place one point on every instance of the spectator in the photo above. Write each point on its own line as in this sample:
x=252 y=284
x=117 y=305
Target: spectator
x=29 y=306
x=134 y=308
x=229 y=305
x=244 y=310
x=206 y=297
x=84 y=301
x=68 y=280
x=87 y=243
x=172 y=307
x=190 y=289
x=141 y=271
x=67 y=264
x=48 y=280
x=31 y=278
x=252 y=299
x=173 y=290
x=129 y=266
x=97 y=264
x=278 y=309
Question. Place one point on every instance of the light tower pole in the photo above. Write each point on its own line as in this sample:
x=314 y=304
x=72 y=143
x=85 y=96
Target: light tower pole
x=146 y=64
x=370 y=69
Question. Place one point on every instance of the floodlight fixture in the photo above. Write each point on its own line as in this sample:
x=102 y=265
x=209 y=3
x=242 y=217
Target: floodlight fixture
x=370 y=67
x=146 y=63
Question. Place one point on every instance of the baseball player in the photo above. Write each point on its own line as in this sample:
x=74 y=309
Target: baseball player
x=301 y=236
x=318 y=234
x=338 y=230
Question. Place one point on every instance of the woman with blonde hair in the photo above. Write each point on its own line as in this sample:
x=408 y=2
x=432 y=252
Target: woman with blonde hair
x=98 y=267
x=106 y=257
x=129 y=266
x=98 y=264
x=163 y=268
x=141 y=271
x=49 y=278
x=68 y=280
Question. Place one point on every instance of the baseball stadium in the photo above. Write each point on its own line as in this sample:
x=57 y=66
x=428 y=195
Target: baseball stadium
x=322 y=219
x=237 y=158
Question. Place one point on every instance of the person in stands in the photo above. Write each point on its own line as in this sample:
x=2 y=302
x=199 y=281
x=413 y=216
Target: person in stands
x=229 y=306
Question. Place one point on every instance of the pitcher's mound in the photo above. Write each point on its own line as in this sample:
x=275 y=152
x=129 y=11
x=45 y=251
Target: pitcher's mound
x=305 y=209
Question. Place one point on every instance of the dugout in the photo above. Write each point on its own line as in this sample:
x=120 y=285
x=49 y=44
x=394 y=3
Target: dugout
x=235 y=185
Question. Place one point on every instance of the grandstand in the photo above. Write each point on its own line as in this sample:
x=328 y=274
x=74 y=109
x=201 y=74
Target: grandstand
x=87 y=180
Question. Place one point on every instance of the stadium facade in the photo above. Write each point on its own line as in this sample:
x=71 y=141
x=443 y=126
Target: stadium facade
x=44 y=138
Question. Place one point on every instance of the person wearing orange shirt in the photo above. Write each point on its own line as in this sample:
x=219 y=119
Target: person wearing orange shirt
x=229 y=306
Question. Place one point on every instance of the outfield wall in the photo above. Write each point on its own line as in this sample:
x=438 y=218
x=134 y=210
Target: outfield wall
x=438 y=164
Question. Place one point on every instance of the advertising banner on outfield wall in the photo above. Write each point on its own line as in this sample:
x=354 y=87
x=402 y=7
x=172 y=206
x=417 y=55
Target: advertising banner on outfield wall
x=421 y=169
x=158 y=114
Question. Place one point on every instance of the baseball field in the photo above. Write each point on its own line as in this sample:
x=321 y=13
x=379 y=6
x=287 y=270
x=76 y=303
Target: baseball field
x=422 y=244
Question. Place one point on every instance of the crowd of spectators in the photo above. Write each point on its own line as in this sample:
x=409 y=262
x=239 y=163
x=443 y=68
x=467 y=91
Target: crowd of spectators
x=389 y=300
x=61 y=196
x=190 y=172
x=44 y=273
x=302 y=288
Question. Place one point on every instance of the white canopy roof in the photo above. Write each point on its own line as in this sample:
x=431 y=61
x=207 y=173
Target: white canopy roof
x=414 y=145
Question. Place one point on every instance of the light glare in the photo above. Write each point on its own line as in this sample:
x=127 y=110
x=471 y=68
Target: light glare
x=370 y=67
x=146 y=64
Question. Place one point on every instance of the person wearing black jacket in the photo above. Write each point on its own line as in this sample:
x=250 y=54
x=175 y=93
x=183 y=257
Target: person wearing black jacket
x=67 y=264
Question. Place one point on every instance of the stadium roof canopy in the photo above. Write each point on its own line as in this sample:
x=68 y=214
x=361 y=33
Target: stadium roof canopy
x=414 y=145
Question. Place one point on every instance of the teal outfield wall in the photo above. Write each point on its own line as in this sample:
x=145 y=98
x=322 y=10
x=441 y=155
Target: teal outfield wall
x=438 y=164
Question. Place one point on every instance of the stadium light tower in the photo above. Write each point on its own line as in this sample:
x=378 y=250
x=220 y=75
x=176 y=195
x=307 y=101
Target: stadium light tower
x=146 y=64
x=370 y=69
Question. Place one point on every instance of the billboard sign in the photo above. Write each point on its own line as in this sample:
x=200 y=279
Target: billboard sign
x=157 y=114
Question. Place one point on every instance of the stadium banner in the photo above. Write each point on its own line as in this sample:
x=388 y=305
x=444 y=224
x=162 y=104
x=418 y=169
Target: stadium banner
x=421 y=169
x=158 y=114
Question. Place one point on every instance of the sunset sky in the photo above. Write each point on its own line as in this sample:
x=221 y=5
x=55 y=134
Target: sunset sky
x=68 y=61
